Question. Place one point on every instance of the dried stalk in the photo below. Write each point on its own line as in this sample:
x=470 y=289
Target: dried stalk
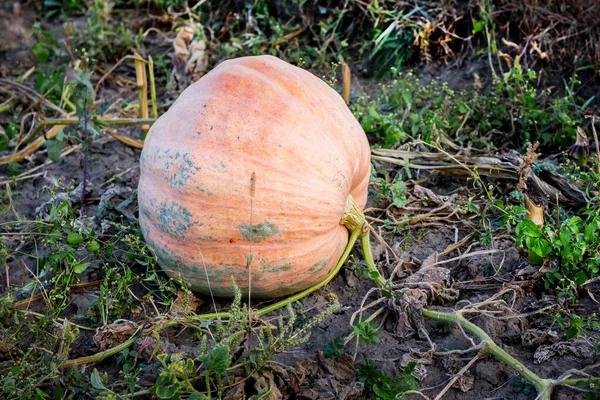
x=58 y=123
x=152 y=87
x=346 y=79
x=30 y=149
x=142 y=85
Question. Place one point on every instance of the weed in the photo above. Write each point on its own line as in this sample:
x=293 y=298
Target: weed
x=104 y=39
x=512 y=110
x=570 y=249
x=334 y=348
x=575 y=325
x=389 y=192
x=383 y=386
x=365 y=332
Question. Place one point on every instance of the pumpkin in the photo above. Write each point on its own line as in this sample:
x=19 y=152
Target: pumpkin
x=260 y=157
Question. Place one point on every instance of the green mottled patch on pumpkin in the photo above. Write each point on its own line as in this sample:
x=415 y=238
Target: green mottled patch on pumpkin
x=318 y=266
x=274 y=268
x=178 y=168
x=203 y=190
x=186 y=170
x=174 y=219
x=258 y=232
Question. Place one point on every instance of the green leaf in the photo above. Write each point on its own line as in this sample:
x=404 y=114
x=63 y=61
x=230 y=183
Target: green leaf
x=96 y=380
x=365 y=332
x=398 y=190
x=407 y=97
x=54 y=148
x=477 y=26
x=167 y=392
x=590 y=231
x=218 y=360
x=574 y=328
x=334 y=348
x=79 y=267
x=195 y=395
x=13 y=169
x=261 y=396
x=41 y=52
x=3 y=140
x=580 y=277
x=41 y=395
x=74 y=239
x=92 y=246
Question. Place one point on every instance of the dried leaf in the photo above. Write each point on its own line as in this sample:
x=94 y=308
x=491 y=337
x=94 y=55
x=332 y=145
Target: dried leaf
x=581 y=349
x=265 y=382
x=408 y=313
x=197 y=62
x=185 y=303
x=109 y=336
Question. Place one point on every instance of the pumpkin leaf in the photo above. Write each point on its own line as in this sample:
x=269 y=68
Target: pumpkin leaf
x=218 y=360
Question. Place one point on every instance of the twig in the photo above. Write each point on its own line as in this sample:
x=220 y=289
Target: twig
x=33 y=94
x=459 y=374
x=475 y=253
x=21 y=154
x=138 y=144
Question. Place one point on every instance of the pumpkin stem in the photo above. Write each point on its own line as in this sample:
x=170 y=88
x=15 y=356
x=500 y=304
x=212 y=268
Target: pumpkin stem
x=353 y=217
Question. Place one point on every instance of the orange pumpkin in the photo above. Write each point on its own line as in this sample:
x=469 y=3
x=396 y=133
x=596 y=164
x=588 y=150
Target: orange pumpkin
x=257 y=156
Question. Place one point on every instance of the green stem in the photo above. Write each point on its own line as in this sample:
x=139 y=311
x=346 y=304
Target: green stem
x=543 y=386
x=7 y=106
x=100 y=356
x=365 y=242
x=100 y=121
x=591 y=382
x=138 y=394
x=152 y=87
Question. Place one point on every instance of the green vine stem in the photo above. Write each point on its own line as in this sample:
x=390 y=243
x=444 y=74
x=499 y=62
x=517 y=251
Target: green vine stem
x=100 y=121
x=282 y=303
x=543 y=386
x=353 y=216
x=102 y=355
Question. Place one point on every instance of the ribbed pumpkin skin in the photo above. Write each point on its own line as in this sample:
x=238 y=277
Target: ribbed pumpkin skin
x=261 y=116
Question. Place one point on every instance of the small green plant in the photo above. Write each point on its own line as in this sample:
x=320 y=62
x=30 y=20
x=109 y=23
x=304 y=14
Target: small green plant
x=334 y=348
x=408 y=108
x=382 y=386
x=383 y=190
x=575 y=325
x=365 y=332
x=570 y=249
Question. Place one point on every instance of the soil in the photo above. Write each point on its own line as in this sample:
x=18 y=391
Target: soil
x=468 y=280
